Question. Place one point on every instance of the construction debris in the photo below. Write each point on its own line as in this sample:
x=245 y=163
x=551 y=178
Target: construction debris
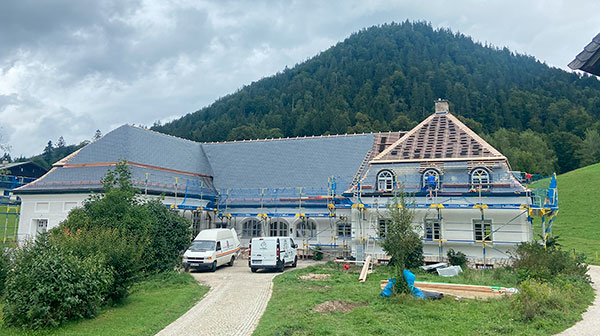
x=449 y=271
x=433 y=267
x=365 y=270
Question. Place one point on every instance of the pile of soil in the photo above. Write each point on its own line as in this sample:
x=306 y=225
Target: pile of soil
x=315 y=277
x=337 y=305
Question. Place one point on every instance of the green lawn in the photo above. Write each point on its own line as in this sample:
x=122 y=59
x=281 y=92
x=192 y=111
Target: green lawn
x=153 y=305
x=578 y=220
x=290 y=309
x=8 y=223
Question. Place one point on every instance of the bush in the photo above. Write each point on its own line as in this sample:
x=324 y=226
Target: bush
x=4 y=267
x=457 y=258
x=49 y=285
x=121 y=252
x=536 y=262
x=538 y=300
x=170 y=234
x=318 y=253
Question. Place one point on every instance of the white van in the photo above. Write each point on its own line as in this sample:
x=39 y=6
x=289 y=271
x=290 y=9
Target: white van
x=272 y=252
x=212 y=248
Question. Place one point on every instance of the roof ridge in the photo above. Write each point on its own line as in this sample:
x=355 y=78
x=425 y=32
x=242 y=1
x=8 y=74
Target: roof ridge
x=160 y=133
x=298 y=137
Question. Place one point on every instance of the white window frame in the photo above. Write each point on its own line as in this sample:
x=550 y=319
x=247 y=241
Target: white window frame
x=480 y=177
x=383 y=225
x=479 y=229
x=251 y=227
x=306 y=228
x=37 y=224
x=435 y=172
x=429 y=229
x=344 y=229
x=278 y=227
x=385 y=180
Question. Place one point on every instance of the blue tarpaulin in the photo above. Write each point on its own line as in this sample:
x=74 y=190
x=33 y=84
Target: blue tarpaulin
x=410 y=280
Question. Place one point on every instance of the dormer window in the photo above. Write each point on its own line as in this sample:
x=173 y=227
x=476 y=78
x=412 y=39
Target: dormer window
x=480 y=177
x=431 y=176
x=385 y=181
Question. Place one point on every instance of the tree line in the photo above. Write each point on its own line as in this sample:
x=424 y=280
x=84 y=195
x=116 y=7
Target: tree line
x=386 y=78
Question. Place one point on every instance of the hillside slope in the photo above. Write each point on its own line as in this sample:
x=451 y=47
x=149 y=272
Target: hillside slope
x=578 y=221
x=386 y=78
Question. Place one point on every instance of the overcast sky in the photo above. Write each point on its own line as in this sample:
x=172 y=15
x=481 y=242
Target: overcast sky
x=71 y=67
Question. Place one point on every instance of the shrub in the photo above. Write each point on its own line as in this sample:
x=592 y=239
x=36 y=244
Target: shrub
x=318 y=253
x=538 y=300
x=536 y=262
x=122 y=253
x=456 y=258
x=49 y=285
x=4 y=267
x=170 y=234
x=401 y=241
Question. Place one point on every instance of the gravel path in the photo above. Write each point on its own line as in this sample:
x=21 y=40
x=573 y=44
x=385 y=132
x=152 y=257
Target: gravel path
x=234 y=304
x=590 y=325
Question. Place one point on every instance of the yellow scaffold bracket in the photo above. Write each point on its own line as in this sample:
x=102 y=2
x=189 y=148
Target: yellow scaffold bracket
x=199 y=209
x=480 y=206
x=440 y=241
x=524 y=207
x=263 y=215
x=228 y=215
x=437 y=206
x=173 y=206
x=331 y=206
x=301 y=215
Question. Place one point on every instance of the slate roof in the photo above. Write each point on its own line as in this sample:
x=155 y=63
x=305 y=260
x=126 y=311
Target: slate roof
x=440 y=137
x=589 y=59
x=138 y=145
x=283 y=163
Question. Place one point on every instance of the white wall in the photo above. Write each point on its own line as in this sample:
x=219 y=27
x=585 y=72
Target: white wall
x=56 y=207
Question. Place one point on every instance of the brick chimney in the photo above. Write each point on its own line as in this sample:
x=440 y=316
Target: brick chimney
x=441 y=106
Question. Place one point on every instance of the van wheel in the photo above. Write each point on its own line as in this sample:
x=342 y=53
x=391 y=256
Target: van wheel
x=253 y=269
x=230 y=263
x=295 y=261
x=187 y=269
x=214 y=266
x=281 y=266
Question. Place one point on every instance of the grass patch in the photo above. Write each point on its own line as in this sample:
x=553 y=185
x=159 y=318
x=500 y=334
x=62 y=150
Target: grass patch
x=402 y=315
x=577 y=220
x=152 y=305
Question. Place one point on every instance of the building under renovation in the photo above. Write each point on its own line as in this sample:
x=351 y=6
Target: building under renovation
x=327 y=191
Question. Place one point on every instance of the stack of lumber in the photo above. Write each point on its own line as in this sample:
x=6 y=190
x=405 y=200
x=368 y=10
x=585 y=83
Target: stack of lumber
x=463 y=291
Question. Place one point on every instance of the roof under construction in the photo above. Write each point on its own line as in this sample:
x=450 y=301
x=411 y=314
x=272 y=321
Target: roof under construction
x=440 y=137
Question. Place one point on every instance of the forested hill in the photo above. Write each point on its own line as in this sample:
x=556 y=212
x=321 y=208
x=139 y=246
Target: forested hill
x=387 y=77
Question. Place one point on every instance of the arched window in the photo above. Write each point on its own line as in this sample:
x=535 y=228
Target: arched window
x=344 y=229
x=306 y=228
x=385 y=181
x=278 y=228
x=480 y=178
x=251 y=228
x=435 y=174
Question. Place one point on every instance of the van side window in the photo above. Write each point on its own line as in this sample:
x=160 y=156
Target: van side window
x=218 y=246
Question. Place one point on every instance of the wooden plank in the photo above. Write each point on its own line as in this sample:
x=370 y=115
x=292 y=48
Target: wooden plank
x=364 y=271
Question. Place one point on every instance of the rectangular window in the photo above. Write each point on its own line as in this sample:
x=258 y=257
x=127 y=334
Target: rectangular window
x=482 y=229
x=383 y=226
x=433 y=229
x=344 y=229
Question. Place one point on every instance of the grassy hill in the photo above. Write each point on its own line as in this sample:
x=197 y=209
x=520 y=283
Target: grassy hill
x=578 y=221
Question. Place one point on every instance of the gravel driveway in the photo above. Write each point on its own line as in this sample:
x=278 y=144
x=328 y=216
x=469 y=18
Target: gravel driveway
x=590 y=325
x=235 y=302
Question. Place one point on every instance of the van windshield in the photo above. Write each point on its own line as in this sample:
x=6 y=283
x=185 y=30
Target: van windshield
x=202 y=245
